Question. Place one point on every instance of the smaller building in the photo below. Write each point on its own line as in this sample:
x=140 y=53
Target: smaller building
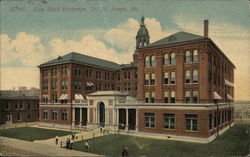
x=19 y=106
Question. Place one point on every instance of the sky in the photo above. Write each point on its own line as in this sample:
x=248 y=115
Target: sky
x=35 y=31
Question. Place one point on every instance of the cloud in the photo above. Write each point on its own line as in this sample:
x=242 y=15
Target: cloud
x=19 y=76
x=88 y=45
x=24 y=50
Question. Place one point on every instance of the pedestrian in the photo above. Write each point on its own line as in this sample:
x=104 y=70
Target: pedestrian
x=56 y=140
x=73 y=136
x=67 y=143
x=87 y=145
x=125 y=151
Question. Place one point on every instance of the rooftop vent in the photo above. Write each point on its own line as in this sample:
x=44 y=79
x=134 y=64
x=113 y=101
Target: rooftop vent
x=59 y=58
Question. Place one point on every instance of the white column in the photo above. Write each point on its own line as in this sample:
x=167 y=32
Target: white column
x=88 y=114
x=126 y=120
x=73 y=117
x=136 y=120
x=97 y=115
x=106 y=116
x=80 y=117
x=117 y=119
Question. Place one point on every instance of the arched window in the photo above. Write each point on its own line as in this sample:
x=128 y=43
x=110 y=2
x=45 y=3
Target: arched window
x=195 y=56
x=147 y=61
x=166 y=59
x=188 y=57
x=152 y=60
x=173 y=59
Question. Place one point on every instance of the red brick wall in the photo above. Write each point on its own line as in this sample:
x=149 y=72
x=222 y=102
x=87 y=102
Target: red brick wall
x=180 y=124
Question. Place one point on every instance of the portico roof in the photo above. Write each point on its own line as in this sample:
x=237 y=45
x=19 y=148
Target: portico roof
x=109 y=93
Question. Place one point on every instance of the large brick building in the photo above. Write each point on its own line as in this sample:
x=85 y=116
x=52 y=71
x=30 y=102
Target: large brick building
x=181 y=86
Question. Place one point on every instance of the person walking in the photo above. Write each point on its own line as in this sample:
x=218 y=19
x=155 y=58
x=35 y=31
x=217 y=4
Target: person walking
x=56 y=140
x=87 y=145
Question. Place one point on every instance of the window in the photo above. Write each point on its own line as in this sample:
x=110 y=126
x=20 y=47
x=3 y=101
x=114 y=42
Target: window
x=187 y=77
x=54 y=85
x=7 y=106
x=146 y=82
x=166 y=97
x=128 y=75
x=173 y=59
x=172 y=81
x=147 y=61
x=76 y=85
x=150 y=120
x=55 y=115
x=188 y=57
x=187 y=97
x=152 y=79
x=54 y=98
x=147 y=97
x=135 y=74
x=136 y=84
x=210 y=121
x=195 y=56
x=45 y=114
x=169 y=121
x=166 y=59
x=153 y=62
x=195 y=97
x=18 y=116
x=166 y=78
x=152 y=97
x=191 y=122
x=195 y=76
x=125 y=75
x=64 y=85
x=172 y=96
x=64 y=115
x=76 y=71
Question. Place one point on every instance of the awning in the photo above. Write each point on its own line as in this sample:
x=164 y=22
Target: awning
x=63 y=97
x=78 y=97
x=229 y=97
x=228 y=83
x=217 y=96
x=90 y=84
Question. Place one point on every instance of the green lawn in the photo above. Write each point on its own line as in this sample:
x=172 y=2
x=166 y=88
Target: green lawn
x=31 y=133
x=234 y=142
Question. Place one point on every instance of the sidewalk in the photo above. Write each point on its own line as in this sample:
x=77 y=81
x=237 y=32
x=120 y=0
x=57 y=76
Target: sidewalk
x=44 y=150
x=79 y=136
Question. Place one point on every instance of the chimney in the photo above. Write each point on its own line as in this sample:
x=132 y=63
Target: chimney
x=206 y=28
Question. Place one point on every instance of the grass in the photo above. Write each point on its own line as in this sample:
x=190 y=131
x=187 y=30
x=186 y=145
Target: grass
x=234 y=142
x=31 y=133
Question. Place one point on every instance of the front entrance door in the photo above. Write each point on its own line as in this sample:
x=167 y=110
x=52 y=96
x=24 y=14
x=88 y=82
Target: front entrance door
x=102 y=114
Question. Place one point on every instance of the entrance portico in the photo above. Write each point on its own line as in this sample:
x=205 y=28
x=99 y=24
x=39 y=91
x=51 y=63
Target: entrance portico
x=109 y=109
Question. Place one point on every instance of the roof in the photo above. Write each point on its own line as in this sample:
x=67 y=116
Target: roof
x=176 y=38
x=19 y=95
x=82 y=59
x=108 y=93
